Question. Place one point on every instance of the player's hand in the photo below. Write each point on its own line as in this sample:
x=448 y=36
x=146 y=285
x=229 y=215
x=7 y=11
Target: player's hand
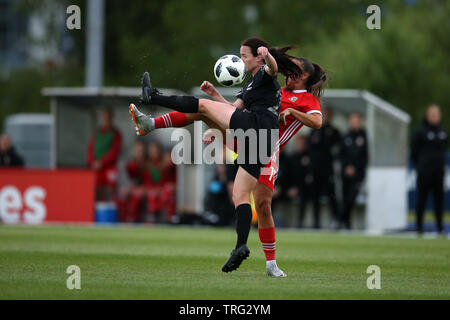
x=263 y=51
x=208 y=136
x=208 y=88
x=284 y=114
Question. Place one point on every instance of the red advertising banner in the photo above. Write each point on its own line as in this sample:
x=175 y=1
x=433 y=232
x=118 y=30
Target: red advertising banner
x=39 y=196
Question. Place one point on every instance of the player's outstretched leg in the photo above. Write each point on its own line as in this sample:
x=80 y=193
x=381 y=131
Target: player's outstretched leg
x=147 y=89
x=151 y=95
x=144 y=123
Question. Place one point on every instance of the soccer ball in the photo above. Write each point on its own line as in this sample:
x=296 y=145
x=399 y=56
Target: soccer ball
x=229 y=70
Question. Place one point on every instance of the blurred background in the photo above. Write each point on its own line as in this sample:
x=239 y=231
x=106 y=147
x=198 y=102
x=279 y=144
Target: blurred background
x=57 y=85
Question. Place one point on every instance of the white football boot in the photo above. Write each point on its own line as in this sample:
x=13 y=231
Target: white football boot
x=143 y=123
x=273 y=270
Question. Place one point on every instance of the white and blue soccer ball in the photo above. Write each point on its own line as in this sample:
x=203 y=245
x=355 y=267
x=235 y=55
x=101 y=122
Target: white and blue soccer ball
x=229 y=70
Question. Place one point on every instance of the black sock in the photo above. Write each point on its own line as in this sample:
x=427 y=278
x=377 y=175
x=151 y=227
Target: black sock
x=185 y=104
x=243 y=224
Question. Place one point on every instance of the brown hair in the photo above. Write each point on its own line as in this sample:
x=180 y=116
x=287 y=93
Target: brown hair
x=317 y=77
x=284 y=61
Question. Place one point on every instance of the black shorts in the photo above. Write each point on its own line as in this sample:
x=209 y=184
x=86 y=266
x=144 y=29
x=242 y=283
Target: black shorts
x=243 y=119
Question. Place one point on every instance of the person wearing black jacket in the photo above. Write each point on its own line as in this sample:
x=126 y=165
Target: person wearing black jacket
x=428 y=149
x=322 y=143
x=301 y=179
x=8 y=155
x=354 y=160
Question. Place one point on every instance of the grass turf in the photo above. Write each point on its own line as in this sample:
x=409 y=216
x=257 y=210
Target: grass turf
x=129 y=262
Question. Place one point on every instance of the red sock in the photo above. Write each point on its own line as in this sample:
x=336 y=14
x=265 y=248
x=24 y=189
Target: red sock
x=171 y=120
x=267 y=237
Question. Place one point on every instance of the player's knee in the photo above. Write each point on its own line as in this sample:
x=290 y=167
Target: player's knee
x=202 y=105
x=264 y=208
x=240 y=198
x=195 y=117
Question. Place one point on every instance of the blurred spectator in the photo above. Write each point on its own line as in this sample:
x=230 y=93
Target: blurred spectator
x=301 y=179
x=8 y=155
x=103 y=153
x=283 y=181
x=354 y=160
x=160 y=179
x=131 y=200
x=281 y=188
x=323 y=146
x=219 y=200
x=429 y=146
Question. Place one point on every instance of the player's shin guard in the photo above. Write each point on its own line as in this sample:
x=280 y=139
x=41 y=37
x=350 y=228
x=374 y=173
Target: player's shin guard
x=186 y=104
x=267 y=237
x=244 y=222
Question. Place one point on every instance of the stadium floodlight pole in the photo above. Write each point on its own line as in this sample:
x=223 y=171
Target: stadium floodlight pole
x=94 y=43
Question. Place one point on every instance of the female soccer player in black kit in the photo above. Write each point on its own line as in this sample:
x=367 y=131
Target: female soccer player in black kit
x=257 y=107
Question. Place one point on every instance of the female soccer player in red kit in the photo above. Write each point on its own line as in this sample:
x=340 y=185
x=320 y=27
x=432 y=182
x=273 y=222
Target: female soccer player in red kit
x=300 y=105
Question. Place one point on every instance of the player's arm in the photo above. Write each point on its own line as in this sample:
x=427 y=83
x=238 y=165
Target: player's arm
x=210 y=90
x=312 y=120
x=271 y=67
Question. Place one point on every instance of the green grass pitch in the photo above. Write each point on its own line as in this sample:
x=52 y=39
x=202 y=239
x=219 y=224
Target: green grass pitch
x=128 y=262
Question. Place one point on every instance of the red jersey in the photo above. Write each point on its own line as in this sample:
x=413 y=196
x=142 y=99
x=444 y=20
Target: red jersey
x=302 y=101
x=299 y=100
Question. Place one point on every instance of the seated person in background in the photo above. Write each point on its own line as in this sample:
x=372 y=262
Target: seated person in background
x=159 y=179
x=169 y=187
x=132 y=197
x=103 y=153
x=8 y=155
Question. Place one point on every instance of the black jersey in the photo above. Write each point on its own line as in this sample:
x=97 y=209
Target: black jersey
x=261 y=92
x=429 y=147
x=354 y=152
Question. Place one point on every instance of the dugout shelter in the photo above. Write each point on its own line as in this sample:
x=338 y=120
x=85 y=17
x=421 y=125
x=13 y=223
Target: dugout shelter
x=75 y=112
x=384 y=195
x=76 y=115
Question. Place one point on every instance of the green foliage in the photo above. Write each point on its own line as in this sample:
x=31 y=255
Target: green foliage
x=21 y=91
x=178 y=41
x=406 y=62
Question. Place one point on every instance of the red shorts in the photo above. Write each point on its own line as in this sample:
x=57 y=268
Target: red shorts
x=107 y=177
x=269 y=175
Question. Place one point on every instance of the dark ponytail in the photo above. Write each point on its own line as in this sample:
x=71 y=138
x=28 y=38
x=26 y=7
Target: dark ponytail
x=317 y=77
x=284 y=61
